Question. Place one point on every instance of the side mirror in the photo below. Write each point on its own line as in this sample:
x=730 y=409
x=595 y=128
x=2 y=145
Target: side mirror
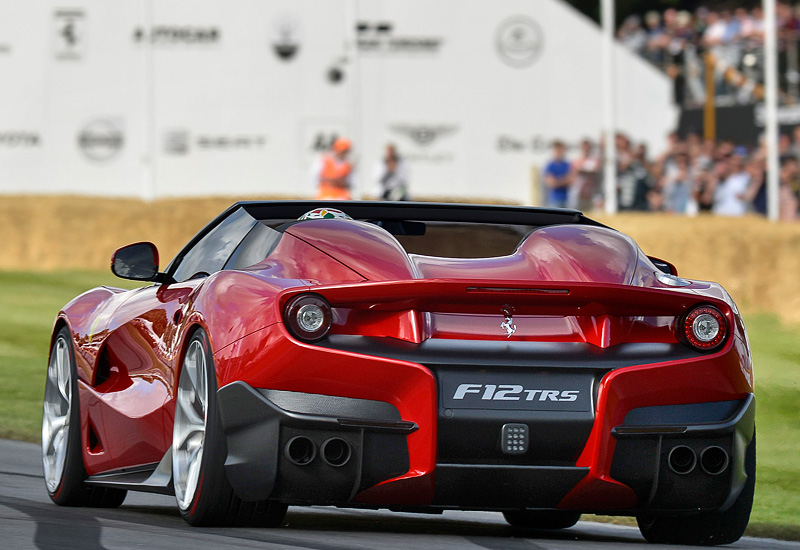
x=137 y=261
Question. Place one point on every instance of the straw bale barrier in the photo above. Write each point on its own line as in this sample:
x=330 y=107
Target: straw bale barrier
x=758 y=262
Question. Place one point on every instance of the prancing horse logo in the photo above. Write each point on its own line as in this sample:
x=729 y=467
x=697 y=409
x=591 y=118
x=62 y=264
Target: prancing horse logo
x=508 y=324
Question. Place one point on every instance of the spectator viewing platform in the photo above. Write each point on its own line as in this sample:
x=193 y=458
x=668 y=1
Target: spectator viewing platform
x=728 y=41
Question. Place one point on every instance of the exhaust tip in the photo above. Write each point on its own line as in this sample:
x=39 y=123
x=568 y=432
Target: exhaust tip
x=681 y=459
x=336 y=452
x=300 y=450
x=714 y=460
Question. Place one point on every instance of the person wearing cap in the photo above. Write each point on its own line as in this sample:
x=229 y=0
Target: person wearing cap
x=332 y=172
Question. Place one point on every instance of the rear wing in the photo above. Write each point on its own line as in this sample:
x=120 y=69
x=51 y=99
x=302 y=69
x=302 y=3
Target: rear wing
x=603 y=315
x=524 y=297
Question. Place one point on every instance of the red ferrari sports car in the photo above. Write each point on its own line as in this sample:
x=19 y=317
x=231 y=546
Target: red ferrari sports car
x=407 y=356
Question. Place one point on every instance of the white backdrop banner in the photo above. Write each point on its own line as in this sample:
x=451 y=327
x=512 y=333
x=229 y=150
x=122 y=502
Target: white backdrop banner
x=175 y=98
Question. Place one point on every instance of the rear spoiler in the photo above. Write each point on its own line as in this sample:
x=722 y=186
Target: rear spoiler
x=522 y=297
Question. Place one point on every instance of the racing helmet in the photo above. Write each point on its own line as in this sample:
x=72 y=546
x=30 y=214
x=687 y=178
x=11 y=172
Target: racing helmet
x=324 y=214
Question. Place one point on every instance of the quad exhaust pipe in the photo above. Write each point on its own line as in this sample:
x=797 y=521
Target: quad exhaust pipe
x=336 y=452
x=713 y=460
x=301 y=451
x=681 y=459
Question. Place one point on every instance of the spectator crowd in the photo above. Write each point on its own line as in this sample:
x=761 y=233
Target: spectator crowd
x=689 y=177
x=675 y=39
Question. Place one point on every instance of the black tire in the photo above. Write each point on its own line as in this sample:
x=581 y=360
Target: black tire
x=710 y=528
x=213 y=502
x=541 y=519
x=70 y=489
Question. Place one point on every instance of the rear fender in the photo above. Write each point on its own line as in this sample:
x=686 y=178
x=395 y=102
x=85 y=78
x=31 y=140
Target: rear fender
x=88 y=317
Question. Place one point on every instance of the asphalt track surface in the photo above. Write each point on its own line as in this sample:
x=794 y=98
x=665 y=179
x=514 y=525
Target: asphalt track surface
x=28 y=519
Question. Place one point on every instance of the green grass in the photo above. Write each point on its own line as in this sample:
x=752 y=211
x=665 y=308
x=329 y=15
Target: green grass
x=776 y=355
x=29 y=303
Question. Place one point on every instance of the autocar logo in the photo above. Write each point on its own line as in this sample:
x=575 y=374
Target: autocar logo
x=519 y=41
x=68 y=27
x=173 y=35
x=512 y=392
x=422 y=134
x=286 y=37
x=101 y=140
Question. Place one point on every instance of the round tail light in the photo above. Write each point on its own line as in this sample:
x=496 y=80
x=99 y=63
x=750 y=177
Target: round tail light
x=705 y=328
x=308 y=317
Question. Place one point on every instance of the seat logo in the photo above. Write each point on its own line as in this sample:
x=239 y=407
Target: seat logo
x=513 y=392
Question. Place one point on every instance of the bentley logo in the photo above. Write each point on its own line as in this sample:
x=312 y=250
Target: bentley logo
x=423 y=134
x=508 y=324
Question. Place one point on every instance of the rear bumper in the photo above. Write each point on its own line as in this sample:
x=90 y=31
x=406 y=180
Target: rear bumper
x=715 y=435
x=313 y=448
x=685 y=457
x=431 y=468
x=261 y=465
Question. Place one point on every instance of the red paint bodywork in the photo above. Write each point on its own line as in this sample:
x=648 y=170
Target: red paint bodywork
x=564 y=283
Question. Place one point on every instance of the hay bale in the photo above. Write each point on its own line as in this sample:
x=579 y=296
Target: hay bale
x=758 y=262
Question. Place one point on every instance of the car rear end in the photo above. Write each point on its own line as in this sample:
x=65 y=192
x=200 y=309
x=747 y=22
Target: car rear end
x=493 y=395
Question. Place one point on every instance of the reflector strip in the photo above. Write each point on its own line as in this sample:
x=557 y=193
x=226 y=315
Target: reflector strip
x=648 y=430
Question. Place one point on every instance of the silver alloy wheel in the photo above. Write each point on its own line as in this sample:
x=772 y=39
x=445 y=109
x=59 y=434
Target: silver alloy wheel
x=56 y=414
x=189 y=431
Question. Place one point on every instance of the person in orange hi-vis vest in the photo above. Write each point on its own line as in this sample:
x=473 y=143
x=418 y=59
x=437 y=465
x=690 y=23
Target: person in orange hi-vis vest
x=333 y=172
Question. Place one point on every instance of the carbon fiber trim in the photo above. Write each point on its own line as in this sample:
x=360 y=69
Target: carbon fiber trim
x=694 y=413
x=331 y=405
